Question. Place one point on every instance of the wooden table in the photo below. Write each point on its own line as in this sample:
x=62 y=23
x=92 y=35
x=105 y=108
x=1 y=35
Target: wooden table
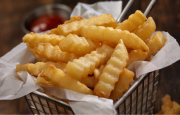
x=165 y=13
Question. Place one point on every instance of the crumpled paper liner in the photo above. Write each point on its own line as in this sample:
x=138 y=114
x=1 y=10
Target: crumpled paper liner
x=12 y=87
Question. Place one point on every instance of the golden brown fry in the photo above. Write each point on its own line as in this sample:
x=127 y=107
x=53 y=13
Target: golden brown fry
x=78 y=45
x=111 y=35
x=53 y=53
x=58 y=78
x=74 y=18
x=155 y=43
x=132 y=22
x=167 y=107
x=145 y=30
x=34 y=38
x=37 y=68
x=122 y=85
x=21 y=67
x=111 y=71
x=74 y=27
x=136 y=55
x=89 y=81
x=85 y=65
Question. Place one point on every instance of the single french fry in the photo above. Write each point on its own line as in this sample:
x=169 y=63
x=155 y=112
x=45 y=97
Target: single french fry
x=37 y=68
x=111 y=71
x=113 y=36
x=58 y=78
x=145 y=30
x=132 y=22
x=122 y=85
x=21 y=67
x=53 y=53
x=83 y=66
x=34 y=38
x=136 y=55
x=74 y=27
x=78 y=45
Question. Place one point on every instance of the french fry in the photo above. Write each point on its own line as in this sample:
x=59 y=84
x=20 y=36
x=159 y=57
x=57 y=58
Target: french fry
x=89 y=81
x=21 y=67
x=136 y=55
x=111 y=71
x=53 y=53
x=111 y=35
x=122 y=85
x=58 y=78
x=145 y=30
x=85 y=65
x=78 y=45
x=132 y=22
x=37 y=68
x=74 y=27
x=34 y=38
x=167 y=107
x=155 y=43
x=40 y=59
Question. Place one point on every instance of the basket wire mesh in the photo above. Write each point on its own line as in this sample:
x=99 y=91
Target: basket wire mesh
x=139 y=99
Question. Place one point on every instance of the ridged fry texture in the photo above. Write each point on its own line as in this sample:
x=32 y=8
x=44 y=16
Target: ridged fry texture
x=85 y=65
x=111 y=71
x=132 y=22
x=74 y=27
x=58 y=78
x=78 y=45
x=111 y=35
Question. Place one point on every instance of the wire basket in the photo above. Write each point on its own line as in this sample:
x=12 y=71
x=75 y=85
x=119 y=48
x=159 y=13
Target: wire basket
x=139 y=99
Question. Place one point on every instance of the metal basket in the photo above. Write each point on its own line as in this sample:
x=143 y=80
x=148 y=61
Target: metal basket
x=139 y=99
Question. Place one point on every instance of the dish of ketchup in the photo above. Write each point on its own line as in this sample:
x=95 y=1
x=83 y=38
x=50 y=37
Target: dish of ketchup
x=46 y=22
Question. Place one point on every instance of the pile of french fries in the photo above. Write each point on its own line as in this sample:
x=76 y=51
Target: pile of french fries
x=91 y=56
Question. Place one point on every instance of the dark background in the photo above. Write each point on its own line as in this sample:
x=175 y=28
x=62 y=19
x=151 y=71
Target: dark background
x=166 y=14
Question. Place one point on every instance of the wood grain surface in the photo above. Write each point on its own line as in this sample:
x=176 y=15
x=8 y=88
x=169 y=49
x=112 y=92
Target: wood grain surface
x=166 y=14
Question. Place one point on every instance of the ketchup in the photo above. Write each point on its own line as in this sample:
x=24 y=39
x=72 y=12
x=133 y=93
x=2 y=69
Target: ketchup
x=46 y=22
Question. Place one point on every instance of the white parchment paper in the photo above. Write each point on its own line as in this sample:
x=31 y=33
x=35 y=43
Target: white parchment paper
x=11 y=87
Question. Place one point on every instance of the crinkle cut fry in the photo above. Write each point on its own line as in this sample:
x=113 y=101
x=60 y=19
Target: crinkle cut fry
x=122 y=85
x=53 y=53
x=58 y=78
x=85 y=65
x=34 y=38
x=78 y=45
x=111 y=35
x=38 y=67
x=145 y=30
x=111 y=71
x=136 y=55
x=132 y=22
x=74 y=27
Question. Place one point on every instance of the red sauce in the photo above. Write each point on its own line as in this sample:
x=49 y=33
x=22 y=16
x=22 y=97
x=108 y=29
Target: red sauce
x=46 y=22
